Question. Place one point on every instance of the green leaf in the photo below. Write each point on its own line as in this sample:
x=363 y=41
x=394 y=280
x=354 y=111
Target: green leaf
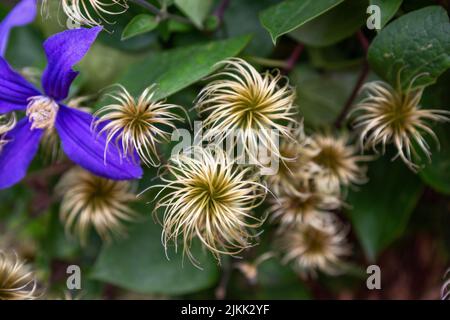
x=334 y=25
x=166 y=3
x=56 y=242
x=241 y=17
x=388 y=9
x=29 y=38
x=331 y=58
x=102 y=65
x=138 y=263
x=275 y=282
x=174 y=70
x=279 y=282
x=380 y=209
x=140 y=24
x=317 y=106
x=196 y=10
x=437 y=173
x=417 y=43
x=291 y=14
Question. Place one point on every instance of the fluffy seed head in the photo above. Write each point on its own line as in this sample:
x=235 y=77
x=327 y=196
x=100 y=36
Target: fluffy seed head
x=296 y=169
x=5 y=127
x=337 y=162
x=17 y=282
x=92 y=201
x=79 y=11
x=390 y=116
x=307 y=205
x=207 y=197
x=312 y=248
x=445 y=290
x=258 y=108
x=139 y=124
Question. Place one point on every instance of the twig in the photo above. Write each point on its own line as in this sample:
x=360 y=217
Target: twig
x=363 y=41
x=293 y=58
x=221 y=290
x=162 y=14
x=220 y=11
x=359 y=82
x=356 y=88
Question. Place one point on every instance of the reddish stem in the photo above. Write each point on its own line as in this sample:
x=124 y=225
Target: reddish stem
x=220 y=11
x=293 y=58
x=359 y=82
x=363 y=41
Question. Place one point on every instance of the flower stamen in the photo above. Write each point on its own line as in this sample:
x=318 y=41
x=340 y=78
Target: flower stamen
x=42 y=111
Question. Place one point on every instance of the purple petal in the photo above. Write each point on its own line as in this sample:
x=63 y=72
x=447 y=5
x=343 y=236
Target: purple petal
x=23 y=13
x=17 y=154
x=87 y=149
x=63 y=51
x=14 y=89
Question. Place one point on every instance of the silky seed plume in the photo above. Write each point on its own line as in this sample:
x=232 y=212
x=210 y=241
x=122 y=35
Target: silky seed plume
x=91 y=201
x=206 y=196
x=389 y=116
x=141 y=124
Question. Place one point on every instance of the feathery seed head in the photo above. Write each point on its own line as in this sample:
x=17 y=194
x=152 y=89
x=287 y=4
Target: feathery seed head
x=17 y=282
x=208 y=197
x=140 y=124
x=313 y=248
x=92 y=201
x=241 y=99
x=307 y=205
x=296 y=168
x=445 y=290
x=5 y=127
x=79 y=11
x=338 y=162
x=390 y=116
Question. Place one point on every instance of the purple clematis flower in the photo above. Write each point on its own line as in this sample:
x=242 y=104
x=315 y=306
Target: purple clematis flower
x=23 y=13
x=44 y=111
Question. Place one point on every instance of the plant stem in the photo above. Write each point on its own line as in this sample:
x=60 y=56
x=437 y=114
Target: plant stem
x=220 y=11
x=162 y=14
x=221 y=290
x=293 y=58
x=359 y=82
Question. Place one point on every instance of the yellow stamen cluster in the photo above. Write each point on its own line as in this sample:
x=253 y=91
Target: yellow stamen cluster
x=50 y=142
x=42 y=111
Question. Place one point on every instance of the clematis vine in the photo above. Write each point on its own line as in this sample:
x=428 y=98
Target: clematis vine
x=23 y=13
x=45 y=111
